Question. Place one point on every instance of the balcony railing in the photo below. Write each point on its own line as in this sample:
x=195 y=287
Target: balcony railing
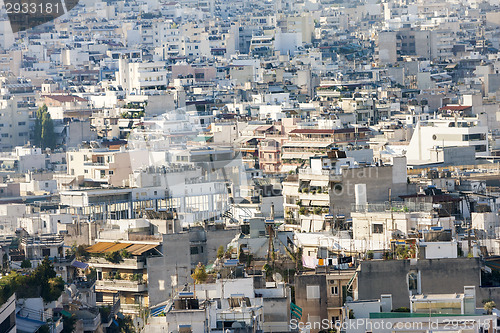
x=125 y=263
x=122 y=285
x=395 y=207
x=130 y=308
x=91 y=324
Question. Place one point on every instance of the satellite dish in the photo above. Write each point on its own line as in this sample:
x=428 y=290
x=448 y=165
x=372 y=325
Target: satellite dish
x=236 y=325
x=277 y=277
x=348 y=299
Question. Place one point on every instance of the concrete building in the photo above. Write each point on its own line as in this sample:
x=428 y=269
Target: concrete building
x=8 y=315
x=136 y=77
x=322 y=296
x=225 y=304
x=104 y=166
x=181 y=253
x=447 y=133
x=402 y=278
x=123 y=270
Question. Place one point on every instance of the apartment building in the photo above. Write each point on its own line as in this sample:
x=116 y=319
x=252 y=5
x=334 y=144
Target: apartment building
x=15 y=114
x=225 y=304
x=140 y=76
x=334 y=183
x=322 y=296
x=105 y=166
x=121 y=268
x=465 y=132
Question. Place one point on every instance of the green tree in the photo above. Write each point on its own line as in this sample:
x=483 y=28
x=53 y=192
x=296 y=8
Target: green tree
x=69 y=324
x=43 y=134
x=37 y=132
x=489 y=306
x=44 y=329
x=26 y=263
x=48 y=136
x=114 y=257
x=126 y=325
x=42 y=282
x=200 y=274
x=220 y=252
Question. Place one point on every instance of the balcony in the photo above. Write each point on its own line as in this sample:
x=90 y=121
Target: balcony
x=122 y=285
x=96 y=164
x=91 y=324
x=323 y=174
x=315 y=197
x=124 y=264
x=130 y=308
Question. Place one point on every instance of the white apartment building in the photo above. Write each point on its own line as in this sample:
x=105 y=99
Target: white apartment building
x=447 y=133
x=135 y=77
x=379 y=228
x=104 y=166
x=14 y=121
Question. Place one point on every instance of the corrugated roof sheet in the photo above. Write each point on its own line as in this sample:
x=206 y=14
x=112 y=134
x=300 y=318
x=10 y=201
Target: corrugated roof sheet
x=99 y=247
x=134 y=249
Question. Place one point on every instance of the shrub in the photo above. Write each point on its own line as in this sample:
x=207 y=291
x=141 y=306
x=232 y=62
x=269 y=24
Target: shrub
x=26 y=263
x=113 y=257
x=200 y=274
x=220 y=252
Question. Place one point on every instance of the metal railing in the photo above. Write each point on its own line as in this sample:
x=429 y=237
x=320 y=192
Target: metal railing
x=398 y=206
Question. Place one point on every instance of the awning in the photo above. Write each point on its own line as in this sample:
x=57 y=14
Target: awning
x=66 y=313
x=100 y=247
x=318 y=225
x=322 y=203
x=138 y=249
x=319 y=183
x=134 y=249
x=291 y=156
x=79 y=264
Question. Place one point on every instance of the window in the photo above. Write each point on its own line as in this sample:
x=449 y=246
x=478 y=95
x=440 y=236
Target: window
x=378 y=228
x=480 y=148
x=194 y=249
x=334 y=290
x=110 y=172
x=45 y=252
x=312 y=292
x=8 y=323
x=413 y=281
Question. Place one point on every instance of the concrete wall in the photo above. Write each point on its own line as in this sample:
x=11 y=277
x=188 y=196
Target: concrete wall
x=378 y=180
x=437 y=276
x=177 y=261
x=313 y=310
